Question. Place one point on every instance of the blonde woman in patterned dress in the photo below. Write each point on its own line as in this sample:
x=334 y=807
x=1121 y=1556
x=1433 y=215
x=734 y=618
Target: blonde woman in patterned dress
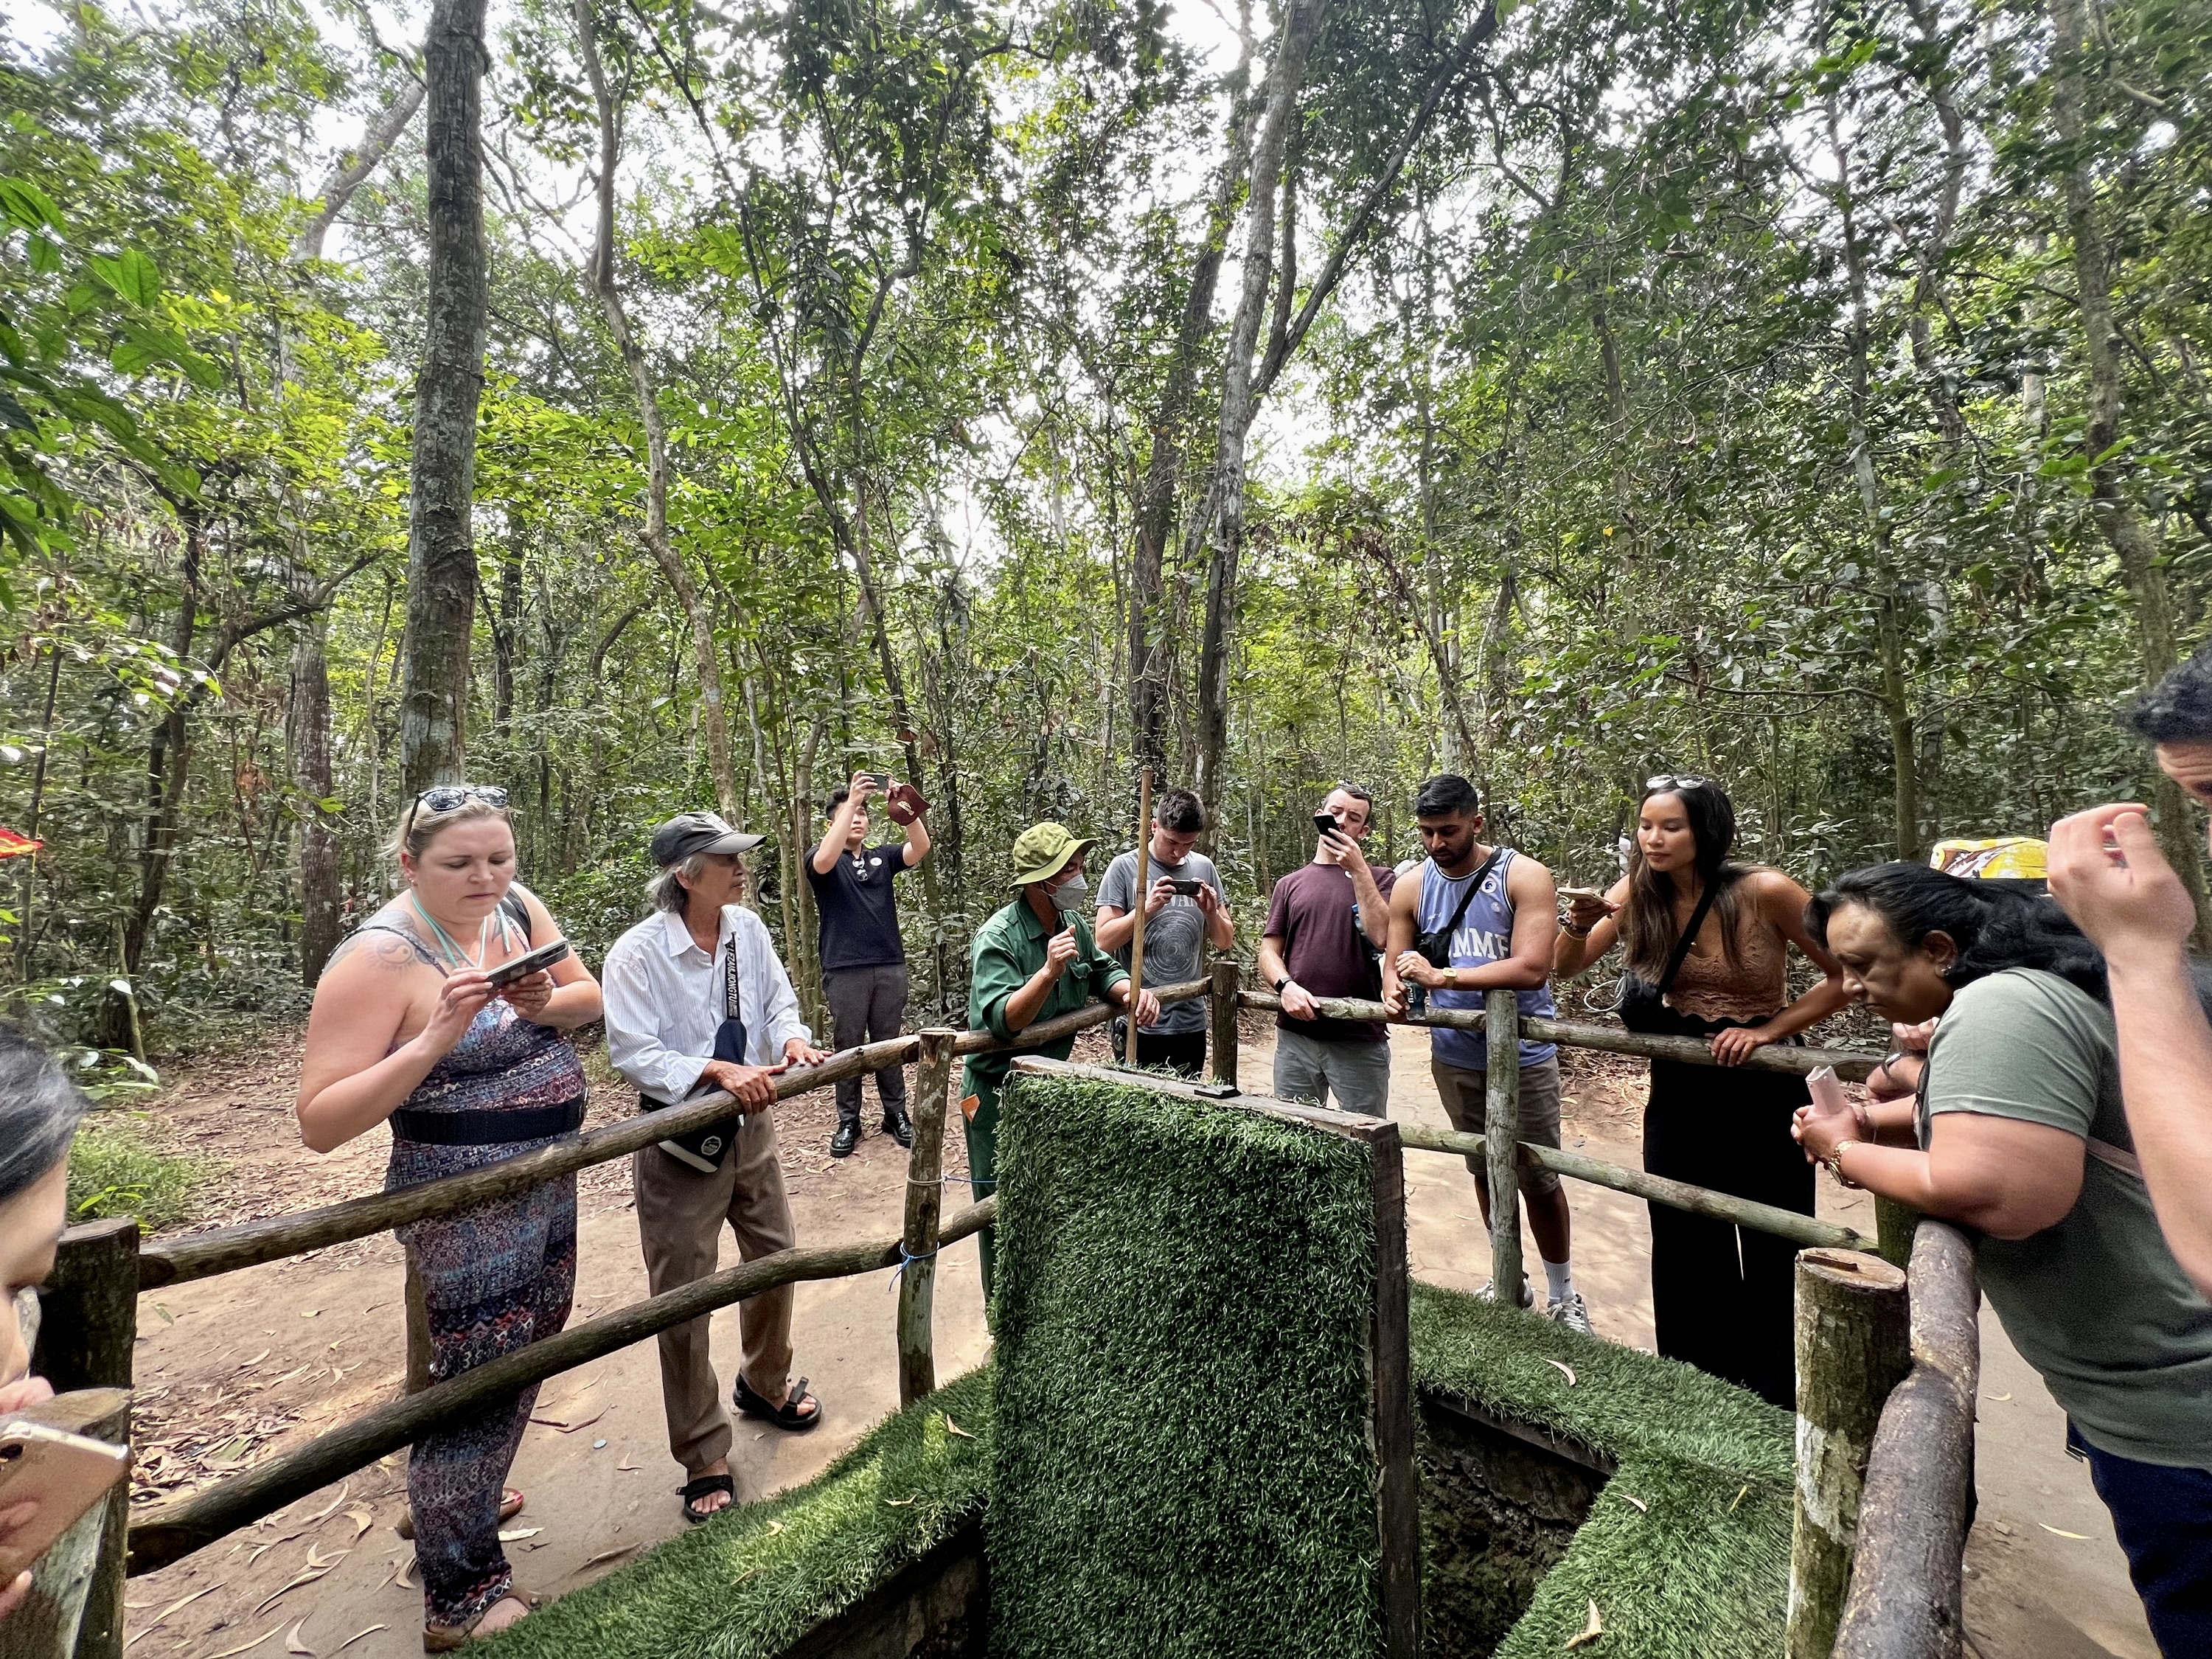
x=406 y=1028
x=1721 y=1295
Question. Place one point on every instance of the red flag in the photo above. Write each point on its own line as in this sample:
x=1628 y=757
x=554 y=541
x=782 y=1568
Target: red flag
x=11 y=843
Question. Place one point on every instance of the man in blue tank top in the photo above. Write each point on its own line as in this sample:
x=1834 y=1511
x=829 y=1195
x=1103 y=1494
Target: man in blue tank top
x=1501 y=910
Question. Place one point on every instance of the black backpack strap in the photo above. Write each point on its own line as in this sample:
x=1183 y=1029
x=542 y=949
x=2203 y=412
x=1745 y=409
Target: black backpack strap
x=1472 y=888
x=516 y=910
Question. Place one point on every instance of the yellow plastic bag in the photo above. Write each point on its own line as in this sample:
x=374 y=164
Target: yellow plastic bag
x=2011 y=858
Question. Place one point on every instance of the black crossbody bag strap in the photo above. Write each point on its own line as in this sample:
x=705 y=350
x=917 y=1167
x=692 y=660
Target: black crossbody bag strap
x=1689 y=937
x=1440 y=942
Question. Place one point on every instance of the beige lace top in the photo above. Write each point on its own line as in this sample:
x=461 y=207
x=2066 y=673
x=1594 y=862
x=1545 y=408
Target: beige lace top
x=1709 y=987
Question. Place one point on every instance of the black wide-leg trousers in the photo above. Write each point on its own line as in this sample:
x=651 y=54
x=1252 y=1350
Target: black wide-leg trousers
x=1722 y=1296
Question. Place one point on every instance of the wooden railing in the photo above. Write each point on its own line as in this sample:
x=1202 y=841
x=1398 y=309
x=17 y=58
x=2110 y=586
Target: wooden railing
x=103 y=1266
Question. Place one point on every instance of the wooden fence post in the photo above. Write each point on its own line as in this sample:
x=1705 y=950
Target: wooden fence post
x=1853 y=1347
x=1895 y=1224
x=1501 y=1130
x=1224 y=1002
x=88 y=1325
x=925 y=1203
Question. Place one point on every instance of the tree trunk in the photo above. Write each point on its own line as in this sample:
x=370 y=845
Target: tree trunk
x=354 y=168
x=712 y=715
x=1164 y=467
x=2131 y=540
x=307 y=735
x=442 y=565
x=1224 y=513
x=1894 y=690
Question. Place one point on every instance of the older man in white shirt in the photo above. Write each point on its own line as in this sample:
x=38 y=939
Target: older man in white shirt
x=696 y=1001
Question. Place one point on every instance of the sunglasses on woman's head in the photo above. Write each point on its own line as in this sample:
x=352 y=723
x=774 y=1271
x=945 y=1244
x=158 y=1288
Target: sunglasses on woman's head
x=1667 y=782
x=451 y=797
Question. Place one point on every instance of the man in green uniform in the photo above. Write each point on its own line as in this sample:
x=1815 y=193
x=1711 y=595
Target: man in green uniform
x=1034 y=960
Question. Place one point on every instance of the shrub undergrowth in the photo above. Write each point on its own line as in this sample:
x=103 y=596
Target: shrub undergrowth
x=116 y=1168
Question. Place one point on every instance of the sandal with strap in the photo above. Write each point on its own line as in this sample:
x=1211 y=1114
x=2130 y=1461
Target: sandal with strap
x=791 y=1414
x=510 y=1505
x=691 y=1491
x=445 y=1638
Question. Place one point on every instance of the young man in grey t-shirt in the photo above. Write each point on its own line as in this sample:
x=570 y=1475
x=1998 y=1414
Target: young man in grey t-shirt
x=1179 y=924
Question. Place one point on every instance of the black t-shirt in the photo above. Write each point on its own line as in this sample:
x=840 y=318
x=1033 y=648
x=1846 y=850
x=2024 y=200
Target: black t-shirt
x=859 y=910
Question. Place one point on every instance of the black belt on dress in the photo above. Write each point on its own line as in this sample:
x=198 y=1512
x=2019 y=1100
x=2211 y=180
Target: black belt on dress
x=477 y=1125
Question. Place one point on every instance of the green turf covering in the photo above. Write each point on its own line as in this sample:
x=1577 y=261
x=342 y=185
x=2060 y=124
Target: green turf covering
x=1153 y=1495
x=752 y=1580
x=1703 y=1571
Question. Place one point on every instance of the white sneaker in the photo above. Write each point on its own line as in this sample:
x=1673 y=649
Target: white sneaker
x=1489 y=1291
x=1570 y=1311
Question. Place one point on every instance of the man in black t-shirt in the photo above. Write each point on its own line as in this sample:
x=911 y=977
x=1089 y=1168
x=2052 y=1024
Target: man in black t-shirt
x=863 y=960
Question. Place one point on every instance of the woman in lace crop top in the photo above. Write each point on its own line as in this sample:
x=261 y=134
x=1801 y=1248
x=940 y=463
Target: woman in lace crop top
x=1721 y=1297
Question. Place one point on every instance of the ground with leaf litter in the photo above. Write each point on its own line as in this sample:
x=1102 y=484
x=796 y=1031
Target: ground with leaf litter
x=234 y=1370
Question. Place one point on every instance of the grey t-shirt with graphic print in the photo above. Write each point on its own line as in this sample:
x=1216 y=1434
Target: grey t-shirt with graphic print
x=1175 y=939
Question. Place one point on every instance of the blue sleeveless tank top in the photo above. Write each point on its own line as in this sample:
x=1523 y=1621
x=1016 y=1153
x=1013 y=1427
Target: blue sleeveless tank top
x=1484 y=935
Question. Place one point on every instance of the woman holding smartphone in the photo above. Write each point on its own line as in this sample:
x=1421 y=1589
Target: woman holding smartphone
x=1707 y=941
x=413 y=1025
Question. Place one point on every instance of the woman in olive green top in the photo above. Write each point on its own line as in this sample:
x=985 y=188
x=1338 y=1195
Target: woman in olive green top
x=1033 y=961
x=2018 y=1133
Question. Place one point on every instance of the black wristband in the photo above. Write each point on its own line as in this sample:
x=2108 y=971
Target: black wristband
x=1281 y=982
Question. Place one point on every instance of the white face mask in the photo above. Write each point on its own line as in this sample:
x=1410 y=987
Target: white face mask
x=1071 y=896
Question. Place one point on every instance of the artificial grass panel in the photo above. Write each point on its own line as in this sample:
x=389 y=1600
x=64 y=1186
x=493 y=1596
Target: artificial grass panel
x=1702 y=1573
x=752 y=1581
x=1622 y=1402
x=1182 y=1464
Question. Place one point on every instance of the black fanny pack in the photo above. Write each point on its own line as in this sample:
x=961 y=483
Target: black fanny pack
x=478 y=1126
x=1435 y=947
x=703 y=1150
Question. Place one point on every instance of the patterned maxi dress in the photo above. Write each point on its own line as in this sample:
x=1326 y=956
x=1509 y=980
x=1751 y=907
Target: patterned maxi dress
x=496 y=1277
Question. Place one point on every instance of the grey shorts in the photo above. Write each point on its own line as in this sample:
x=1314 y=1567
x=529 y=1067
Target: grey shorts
x=1462 y=1091
x=1353 y=1077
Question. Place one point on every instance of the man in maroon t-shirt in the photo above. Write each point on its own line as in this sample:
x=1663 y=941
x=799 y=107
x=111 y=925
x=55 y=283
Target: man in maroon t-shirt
x=1326 y=925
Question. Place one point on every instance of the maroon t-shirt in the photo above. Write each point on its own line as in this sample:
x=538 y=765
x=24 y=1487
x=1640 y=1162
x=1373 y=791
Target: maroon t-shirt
x=1314 y=912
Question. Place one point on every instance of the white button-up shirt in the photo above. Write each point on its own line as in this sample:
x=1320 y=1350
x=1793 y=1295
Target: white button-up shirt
x=663 y=1000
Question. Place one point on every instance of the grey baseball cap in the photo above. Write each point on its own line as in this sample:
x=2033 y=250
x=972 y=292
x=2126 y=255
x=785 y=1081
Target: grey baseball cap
x=698 y=832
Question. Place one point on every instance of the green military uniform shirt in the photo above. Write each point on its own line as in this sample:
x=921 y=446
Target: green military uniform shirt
x=1009 y=948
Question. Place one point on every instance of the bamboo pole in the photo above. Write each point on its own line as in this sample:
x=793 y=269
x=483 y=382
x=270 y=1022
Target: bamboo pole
x=88 y=1329
x=1800 y=1230
x=1501 y=1123
x=1137 y=936
x=249 y=1245
x=170 y=1531
x=1223 y=1019
x=925 y=1202
x=1905 y=1577
x=1852 y=1349
x=1852 y=1065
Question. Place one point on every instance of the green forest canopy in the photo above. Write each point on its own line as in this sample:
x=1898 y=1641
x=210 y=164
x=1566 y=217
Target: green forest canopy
x=1812 y=395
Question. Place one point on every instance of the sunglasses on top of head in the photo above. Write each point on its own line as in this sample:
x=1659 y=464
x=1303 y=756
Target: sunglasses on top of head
x=1667 y=782
x=451 y=797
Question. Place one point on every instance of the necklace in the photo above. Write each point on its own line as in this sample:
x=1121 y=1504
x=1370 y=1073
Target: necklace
x=454 y=954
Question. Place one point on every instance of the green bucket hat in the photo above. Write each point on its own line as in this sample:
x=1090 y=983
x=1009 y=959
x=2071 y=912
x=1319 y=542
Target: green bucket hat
x=1043 y=850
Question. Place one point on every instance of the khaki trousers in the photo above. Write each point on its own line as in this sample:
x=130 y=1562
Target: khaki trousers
x=680 y=1213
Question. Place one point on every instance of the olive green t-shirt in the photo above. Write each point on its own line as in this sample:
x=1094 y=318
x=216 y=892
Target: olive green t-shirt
x=2096 y=1303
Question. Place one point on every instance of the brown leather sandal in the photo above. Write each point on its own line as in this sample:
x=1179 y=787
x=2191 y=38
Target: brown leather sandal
x=445 y=1638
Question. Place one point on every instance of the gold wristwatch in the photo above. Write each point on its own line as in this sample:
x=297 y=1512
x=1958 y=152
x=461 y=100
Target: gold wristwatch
x=1835 y=1162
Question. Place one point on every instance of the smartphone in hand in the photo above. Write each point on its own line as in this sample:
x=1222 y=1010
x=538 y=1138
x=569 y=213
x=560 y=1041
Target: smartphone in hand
x=1326 y=824
x=528 y=963
x=64 y=1474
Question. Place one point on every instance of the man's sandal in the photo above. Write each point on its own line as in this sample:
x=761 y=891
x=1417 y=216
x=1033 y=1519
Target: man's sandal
x=791 y=1414
x=510 y=1505
x=445 y=1638
x=691 y=1491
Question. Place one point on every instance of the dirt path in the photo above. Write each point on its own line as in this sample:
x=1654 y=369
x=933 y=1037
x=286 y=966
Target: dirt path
x=234 y=1370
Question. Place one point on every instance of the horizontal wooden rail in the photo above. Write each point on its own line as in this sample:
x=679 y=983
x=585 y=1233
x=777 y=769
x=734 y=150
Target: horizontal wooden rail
x=1905 y=1599
x=1800 y=1230
x=1852 y=1065
x=253 y=1243
x=172 y=1530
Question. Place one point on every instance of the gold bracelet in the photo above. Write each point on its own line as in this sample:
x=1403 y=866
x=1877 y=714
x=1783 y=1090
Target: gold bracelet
x=1835 y=1162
